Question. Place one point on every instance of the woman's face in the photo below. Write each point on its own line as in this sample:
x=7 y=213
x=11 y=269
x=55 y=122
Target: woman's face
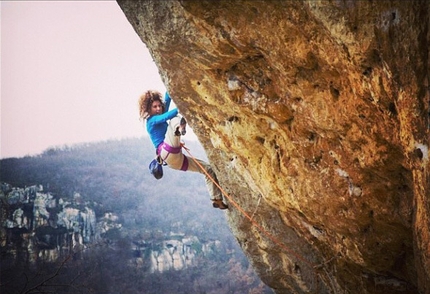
x=156 y=108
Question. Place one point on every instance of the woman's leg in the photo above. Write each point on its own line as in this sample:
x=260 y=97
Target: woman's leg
x=175 y=159
x=179 y=161
x=171 y=138
x=210 y=177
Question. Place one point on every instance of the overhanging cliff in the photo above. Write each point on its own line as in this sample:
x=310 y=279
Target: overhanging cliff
x=315 y=116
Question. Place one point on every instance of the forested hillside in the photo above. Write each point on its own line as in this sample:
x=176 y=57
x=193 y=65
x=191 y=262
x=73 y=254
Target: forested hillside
x=113 y=177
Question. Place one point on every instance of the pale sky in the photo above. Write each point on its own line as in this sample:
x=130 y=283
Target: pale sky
x=71 y=72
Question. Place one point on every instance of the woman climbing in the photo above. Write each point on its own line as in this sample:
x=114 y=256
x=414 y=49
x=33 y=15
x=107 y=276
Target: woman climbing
x=165 y=129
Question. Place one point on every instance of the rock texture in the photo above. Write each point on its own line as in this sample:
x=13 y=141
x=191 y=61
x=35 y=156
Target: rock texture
x=315 y=115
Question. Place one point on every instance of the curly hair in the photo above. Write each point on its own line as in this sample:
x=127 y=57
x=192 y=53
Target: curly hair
x=145 y=103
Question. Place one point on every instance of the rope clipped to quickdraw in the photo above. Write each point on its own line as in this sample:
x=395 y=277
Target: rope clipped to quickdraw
x=253 y=222
x=314 y=267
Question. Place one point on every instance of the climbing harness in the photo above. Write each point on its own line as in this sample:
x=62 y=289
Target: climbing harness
x=275 y=240
x=172 y=150
x=168 y=148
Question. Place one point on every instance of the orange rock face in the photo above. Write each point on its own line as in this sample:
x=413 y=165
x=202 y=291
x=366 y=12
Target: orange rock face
x=315 y=115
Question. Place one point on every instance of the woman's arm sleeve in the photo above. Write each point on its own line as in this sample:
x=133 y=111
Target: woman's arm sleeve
x=156 y=119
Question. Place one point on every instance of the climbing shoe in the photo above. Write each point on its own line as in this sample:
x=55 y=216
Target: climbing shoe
x=217 y=203
x=181 y=130
x=183 y=126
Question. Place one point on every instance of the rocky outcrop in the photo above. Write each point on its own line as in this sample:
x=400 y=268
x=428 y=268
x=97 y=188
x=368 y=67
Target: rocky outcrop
x=175 y=253
x=39 y=226
x=315 y=115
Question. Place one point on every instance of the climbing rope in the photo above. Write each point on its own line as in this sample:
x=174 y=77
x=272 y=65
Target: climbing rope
x=253 y=222
x=275 y=240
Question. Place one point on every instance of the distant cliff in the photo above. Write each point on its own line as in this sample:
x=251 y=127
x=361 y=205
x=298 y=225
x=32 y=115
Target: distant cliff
x=315 y=116
x=38 y=226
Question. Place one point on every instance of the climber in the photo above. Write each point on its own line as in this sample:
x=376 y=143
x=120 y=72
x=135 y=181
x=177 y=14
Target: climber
x=165 y=129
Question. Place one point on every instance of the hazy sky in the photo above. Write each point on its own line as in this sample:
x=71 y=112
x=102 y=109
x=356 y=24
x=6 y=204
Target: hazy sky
x=71 y=72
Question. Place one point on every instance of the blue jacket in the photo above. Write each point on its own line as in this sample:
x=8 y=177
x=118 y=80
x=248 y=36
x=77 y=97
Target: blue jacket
x=156 y=125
